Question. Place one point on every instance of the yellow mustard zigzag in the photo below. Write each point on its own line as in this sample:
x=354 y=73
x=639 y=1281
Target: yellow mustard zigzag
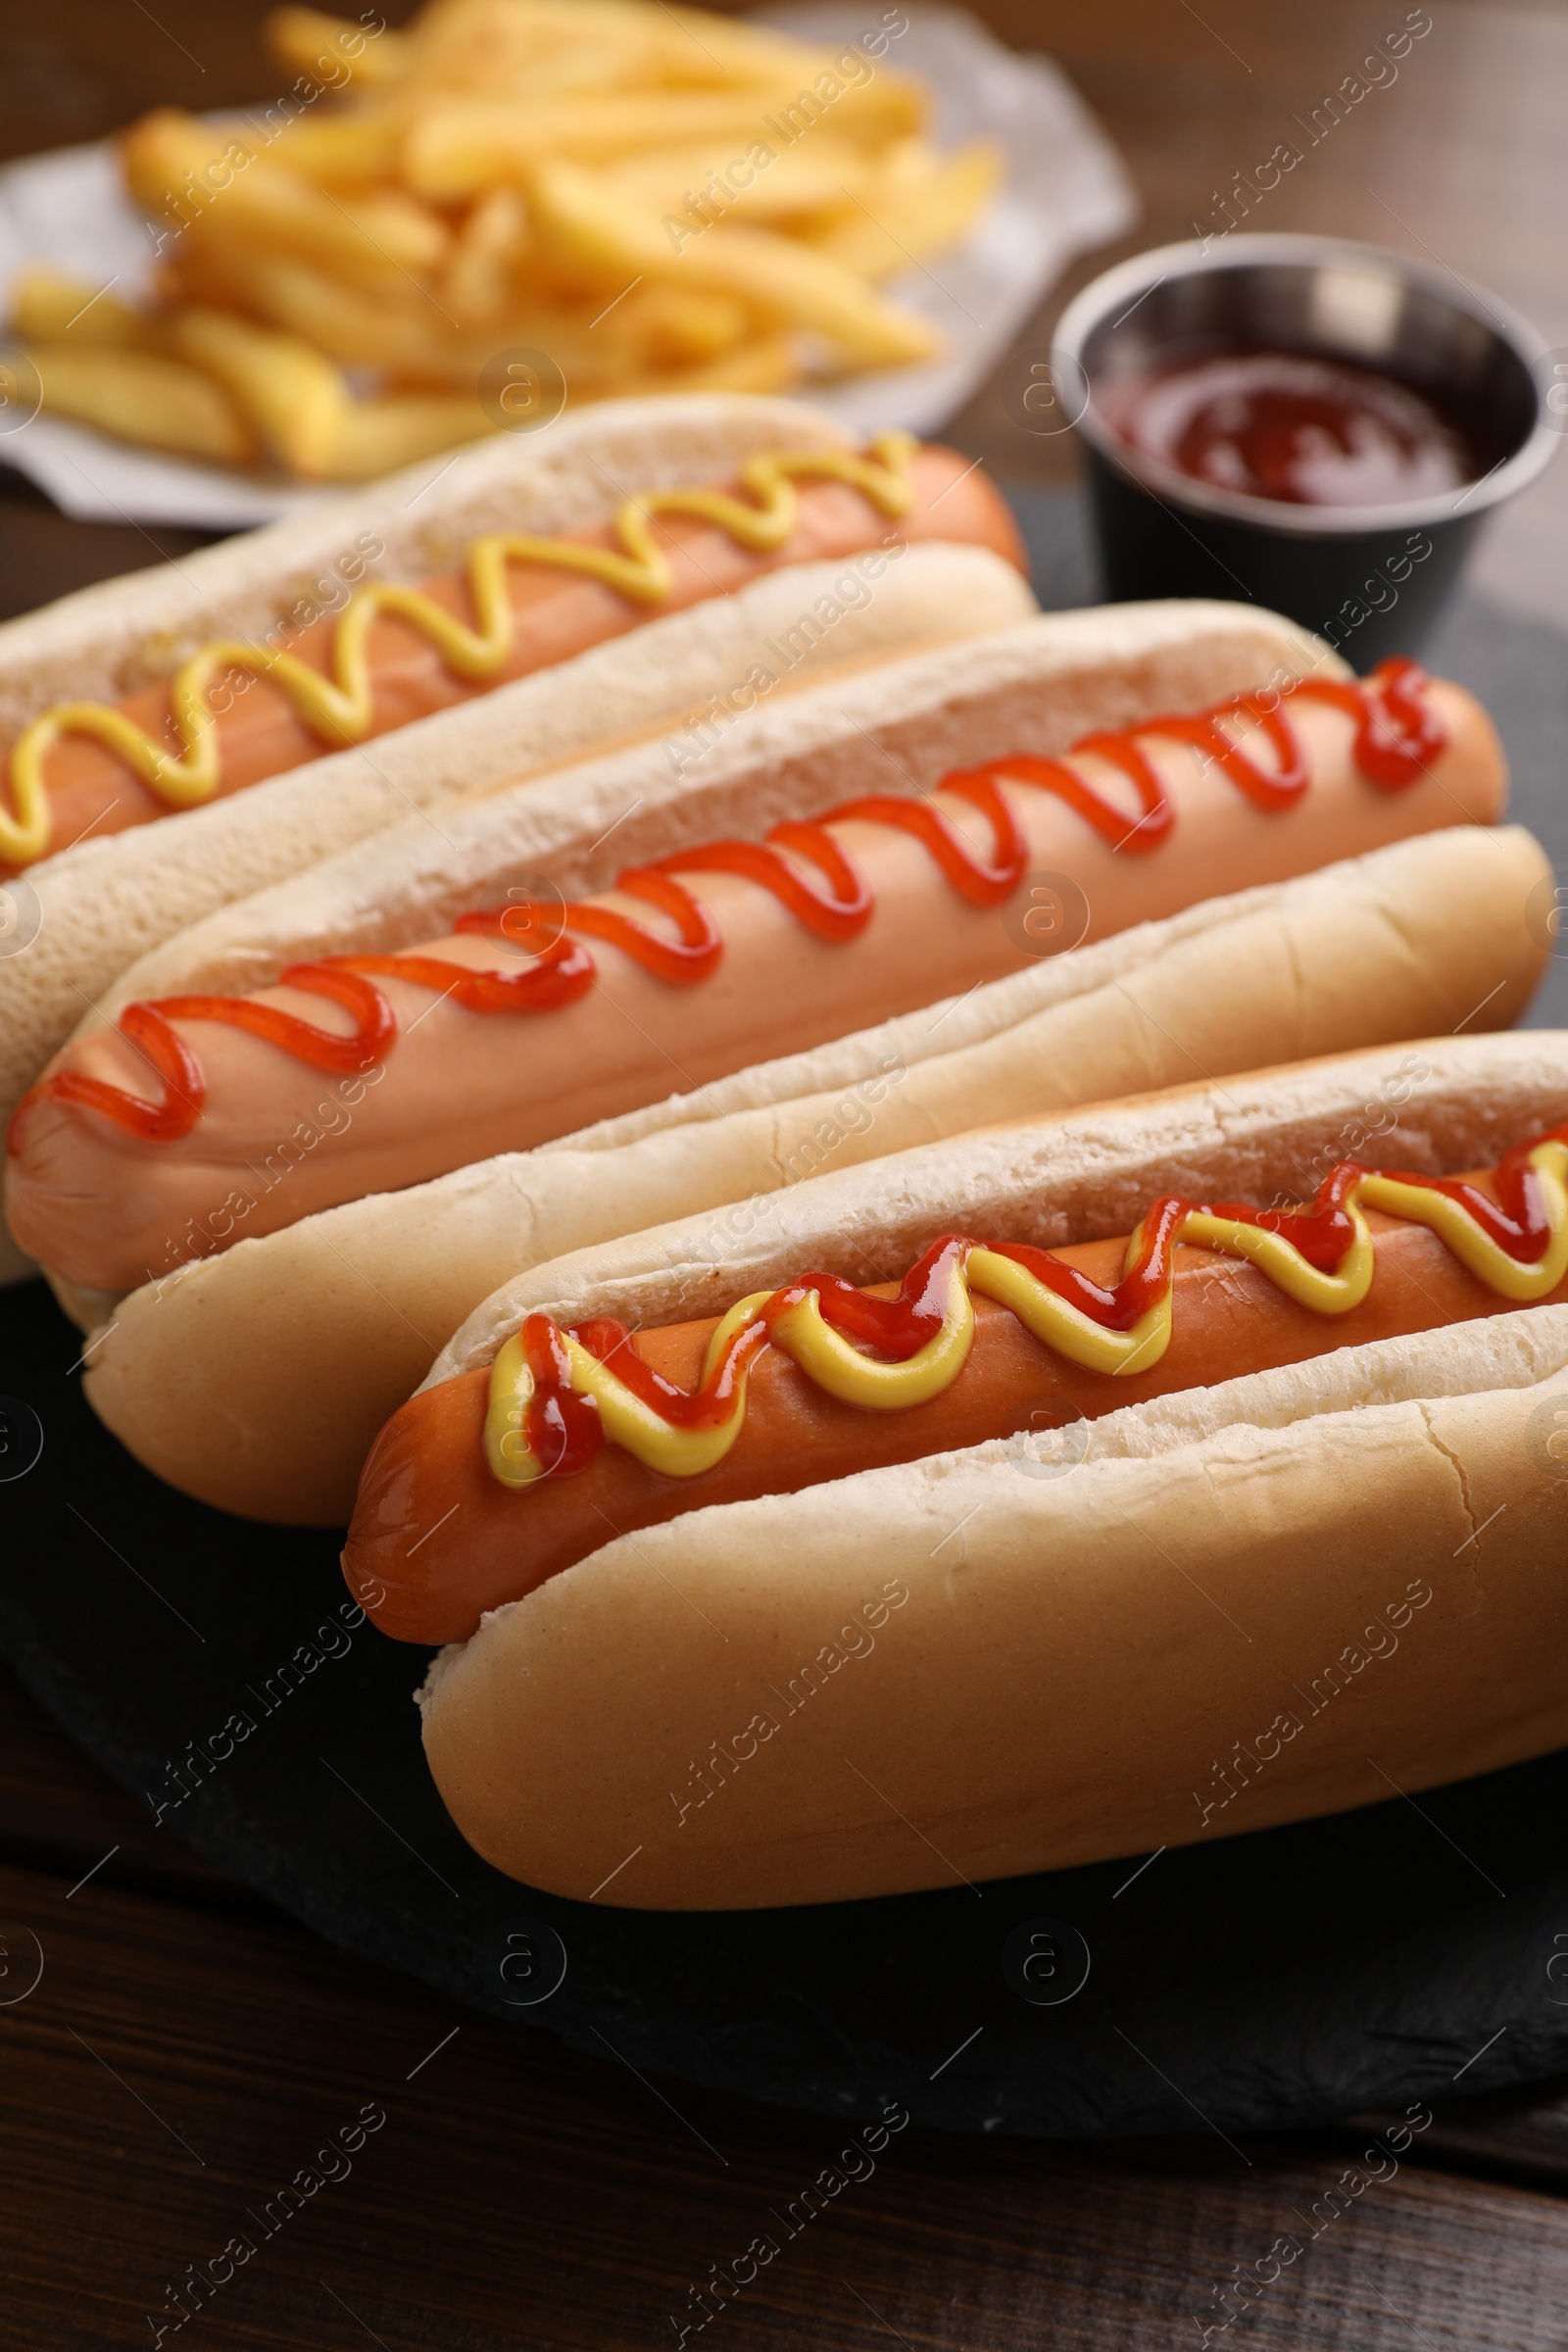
x=837 y=1366
x=339 y=707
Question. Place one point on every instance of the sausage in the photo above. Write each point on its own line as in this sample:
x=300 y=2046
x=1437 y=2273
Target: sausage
x=437 y=1539
x=276 y=1140
x=260 y=734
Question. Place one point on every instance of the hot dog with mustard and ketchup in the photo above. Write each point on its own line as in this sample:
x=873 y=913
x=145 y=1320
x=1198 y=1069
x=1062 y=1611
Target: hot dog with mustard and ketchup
x=1138 y=1412
x=513 y=1474
x=532 y=1016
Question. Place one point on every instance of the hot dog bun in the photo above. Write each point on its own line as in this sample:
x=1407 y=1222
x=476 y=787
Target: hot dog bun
x=1072 y=1666
x=343 y=1311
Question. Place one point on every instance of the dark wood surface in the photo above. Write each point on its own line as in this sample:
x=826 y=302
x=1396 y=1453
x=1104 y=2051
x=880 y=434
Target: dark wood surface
x=187 y=2049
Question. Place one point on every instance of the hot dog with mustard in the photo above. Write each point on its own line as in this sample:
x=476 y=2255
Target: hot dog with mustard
x=236 y=712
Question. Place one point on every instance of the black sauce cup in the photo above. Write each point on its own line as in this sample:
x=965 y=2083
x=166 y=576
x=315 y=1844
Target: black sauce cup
x=1370 y=579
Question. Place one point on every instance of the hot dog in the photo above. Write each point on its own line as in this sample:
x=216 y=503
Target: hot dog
x=1335 y=1401
x=342 y=1311
x=89 y=688
x=616 y=1429
x=712 y=956
x=234 y=714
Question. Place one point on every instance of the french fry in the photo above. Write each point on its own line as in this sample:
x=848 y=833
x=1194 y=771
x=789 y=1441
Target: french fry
x=803 y=289
x=406 y=235
x=289 y=392
x=770 y=183
x=733 y=45
x=159 y=160
x=931 y=207
x=348 y=324
x=196 y=175
x=683 y=329
x=531 y=52
x=532 y=49
x=347 y=150
x=227 y=234
x=410 y=339
x=476 y=283
x=453 y=151
x=140 y=397
x=332 y=52
x=377 y=436
x=47 y=308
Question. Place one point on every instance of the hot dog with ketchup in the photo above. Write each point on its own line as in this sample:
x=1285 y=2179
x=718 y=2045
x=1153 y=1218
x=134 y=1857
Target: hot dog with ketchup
x=531 y=1020
x=1338 y=1380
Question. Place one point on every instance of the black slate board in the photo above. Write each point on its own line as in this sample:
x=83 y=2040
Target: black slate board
x=1282 y=1977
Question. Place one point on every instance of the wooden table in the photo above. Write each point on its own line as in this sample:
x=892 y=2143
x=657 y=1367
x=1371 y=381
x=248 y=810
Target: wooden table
x=187 y=2050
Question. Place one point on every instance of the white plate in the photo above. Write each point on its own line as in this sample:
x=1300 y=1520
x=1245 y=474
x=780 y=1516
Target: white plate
x=1066 y=191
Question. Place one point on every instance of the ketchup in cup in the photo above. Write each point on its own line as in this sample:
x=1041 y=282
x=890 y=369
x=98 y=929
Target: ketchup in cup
x=1293 y=427
x=1299 y=422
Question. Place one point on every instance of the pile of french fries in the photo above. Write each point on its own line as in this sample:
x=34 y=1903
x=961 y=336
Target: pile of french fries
x=651 y=197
